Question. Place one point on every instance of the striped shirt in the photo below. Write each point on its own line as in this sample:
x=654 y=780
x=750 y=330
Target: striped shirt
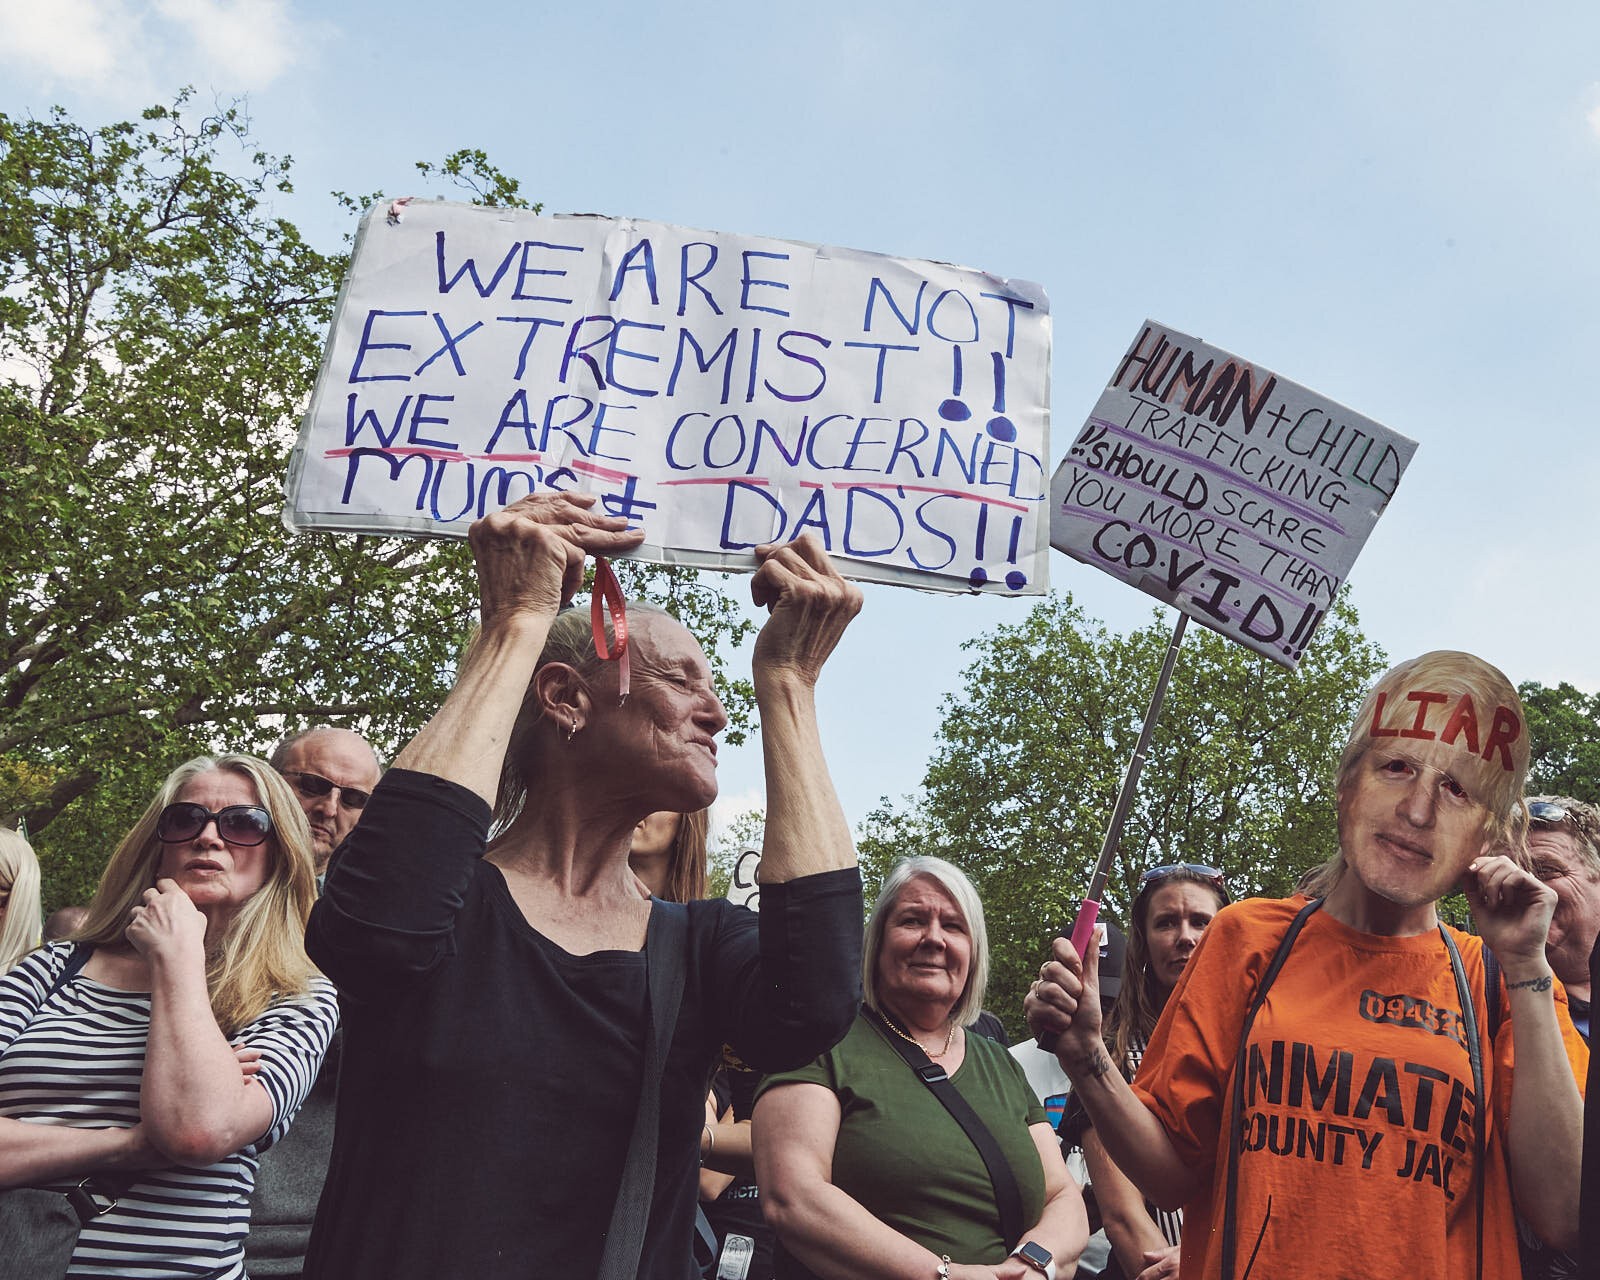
x=76 y=1058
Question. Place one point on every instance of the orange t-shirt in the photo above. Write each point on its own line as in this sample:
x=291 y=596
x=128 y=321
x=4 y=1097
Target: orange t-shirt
x=1357 y=1153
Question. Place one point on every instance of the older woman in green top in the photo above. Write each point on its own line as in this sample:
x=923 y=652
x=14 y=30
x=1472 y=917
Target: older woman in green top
x=863 y=1171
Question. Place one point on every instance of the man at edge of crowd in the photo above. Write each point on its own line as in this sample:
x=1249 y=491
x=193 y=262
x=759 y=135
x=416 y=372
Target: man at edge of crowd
x=1311 y=1098
x=331 y=771
x=1564 y=844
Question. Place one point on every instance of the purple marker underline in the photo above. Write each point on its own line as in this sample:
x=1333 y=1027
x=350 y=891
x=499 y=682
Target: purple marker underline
x=1275 y=588
x=1216 y=468
x=1133 y=486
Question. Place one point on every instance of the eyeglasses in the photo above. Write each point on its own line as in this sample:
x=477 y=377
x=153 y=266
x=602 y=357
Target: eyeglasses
x=242 y=824
x=315 y=786
x=1197 y=870
x=1547 y=811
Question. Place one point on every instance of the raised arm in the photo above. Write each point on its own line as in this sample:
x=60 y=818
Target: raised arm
x=1544 y=1142
x=1065 y=1004
x=810 y=606
x=530 y=560
x=196 y=1104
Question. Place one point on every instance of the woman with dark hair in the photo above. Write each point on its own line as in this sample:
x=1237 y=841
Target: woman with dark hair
x=502 y=973
x=1170 y=912
x=152 y=1060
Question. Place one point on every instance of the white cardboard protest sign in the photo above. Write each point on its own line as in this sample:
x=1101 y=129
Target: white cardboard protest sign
x=1213 y=484
x=718 y=390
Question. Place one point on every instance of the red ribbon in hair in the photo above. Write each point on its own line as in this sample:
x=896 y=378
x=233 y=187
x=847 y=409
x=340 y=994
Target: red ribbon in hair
x=608 y=594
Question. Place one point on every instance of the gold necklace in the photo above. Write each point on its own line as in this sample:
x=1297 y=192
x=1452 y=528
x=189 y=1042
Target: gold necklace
x=948 y=1040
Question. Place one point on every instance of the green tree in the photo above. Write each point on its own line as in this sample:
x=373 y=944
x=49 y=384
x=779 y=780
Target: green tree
x=1564 y=731
x=160 y=330
x=1030 y=758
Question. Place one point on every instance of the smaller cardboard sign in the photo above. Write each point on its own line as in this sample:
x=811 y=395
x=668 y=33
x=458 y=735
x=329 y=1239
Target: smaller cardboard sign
x=1224 y=490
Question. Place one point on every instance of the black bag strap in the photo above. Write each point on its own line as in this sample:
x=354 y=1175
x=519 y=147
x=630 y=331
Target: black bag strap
x=99 y=1192
x=1007 y=1196
x=1469 y=1015
x=75 y=961
x=1240 y=1067
x=665 y=957
x=1491 y=992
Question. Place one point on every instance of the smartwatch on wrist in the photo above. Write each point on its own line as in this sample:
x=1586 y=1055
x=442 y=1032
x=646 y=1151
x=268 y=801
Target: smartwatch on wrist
x=1037 y=1257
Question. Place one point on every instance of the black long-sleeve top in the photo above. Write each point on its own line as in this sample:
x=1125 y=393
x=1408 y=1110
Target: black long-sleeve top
x=490 y=1078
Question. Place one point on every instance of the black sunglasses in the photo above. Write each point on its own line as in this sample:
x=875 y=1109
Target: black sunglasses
x=242 y=824
x=1197 y=870
x=316 y=786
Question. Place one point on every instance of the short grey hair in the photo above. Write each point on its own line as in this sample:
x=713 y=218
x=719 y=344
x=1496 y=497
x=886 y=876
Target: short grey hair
x=953 y=881
x=280 y=753
x=1582 y=822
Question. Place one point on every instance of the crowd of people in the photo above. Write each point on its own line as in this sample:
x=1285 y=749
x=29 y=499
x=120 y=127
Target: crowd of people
x=521 y=1040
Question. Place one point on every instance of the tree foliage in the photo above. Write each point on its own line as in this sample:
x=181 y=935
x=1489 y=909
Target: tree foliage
x=160 y=330
x=1031 y=756
x=1564 y=732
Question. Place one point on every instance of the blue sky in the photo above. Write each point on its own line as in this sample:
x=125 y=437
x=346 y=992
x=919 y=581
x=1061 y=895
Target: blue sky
x=1393 y=204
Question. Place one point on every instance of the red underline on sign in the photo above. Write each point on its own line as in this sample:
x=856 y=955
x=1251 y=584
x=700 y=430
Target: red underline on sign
x=717 y=480
x=446 y=455
x=588 y=468
x=511 y=457
x=925 y=488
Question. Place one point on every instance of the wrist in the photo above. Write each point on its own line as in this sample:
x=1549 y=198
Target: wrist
x=1535 y=978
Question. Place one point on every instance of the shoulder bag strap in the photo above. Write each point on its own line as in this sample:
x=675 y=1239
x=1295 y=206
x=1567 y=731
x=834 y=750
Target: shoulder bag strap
x=1469 y=1016
x=1491 y=992
x=76 y=959
x=665 y=957
x=1240 y=1067
x=1007 y=1196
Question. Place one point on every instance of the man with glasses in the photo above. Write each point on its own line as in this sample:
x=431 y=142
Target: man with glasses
x=1564 y=842
x=332 y=772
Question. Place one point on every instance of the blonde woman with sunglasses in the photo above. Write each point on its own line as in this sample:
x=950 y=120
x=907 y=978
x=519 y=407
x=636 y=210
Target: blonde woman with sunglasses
x=155 y=1055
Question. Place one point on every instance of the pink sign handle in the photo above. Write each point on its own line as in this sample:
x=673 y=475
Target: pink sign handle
x=1082 y=940
x=1083 y=929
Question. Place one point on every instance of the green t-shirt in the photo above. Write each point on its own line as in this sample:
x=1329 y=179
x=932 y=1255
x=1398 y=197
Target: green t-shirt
x=903 y=1156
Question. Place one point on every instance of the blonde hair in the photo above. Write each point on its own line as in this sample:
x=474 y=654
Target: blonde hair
x=686 y=859
x=19 y=874
x=262 y=955
x=1496 y=787
x=953 y=881
x=570 y=642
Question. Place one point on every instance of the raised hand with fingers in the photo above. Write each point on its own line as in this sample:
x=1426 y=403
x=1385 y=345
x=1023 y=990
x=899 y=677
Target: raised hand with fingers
x=1063 y=1005
x=809 y=604
x=1512 y=908
x=166 y=925
x=530 y=554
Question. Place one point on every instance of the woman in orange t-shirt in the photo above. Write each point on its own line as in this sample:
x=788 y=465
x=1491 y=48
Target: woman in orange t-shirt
x=1323 y=1097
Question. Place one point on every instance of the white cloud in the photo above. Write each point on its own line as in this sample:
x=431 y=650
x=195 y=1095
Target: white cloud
x=1592 y=110
x=77 y=41
x=248 y=43
x=125 y=50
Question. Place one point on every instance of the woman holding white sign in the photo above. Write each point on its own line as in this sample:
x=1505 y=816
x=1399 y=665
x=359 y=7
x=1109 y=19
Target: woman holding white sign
x=517 y=1097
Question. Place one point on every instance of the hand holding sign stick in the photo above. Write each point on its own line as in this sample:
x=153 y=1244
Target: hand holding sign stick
x=1089 y=911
